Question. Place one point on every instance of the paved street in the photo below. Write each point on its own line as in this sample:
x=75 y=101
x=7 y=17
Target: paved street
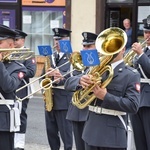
x=36 y=138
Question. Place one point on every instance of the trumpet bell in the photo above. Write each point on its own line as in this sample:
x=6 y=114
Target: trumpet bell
x=111 y=41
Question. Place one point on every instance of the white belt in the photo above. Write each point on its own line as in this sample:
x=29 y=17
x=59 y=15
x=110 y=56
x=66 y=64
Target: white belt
x=58 y=87
x=100 y=110
x=145 y=80
x=7 y=102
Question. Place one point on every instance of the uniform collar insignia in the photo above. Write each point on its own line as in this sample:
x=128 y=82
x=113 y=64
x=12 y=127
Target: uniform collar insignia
x=120 y=69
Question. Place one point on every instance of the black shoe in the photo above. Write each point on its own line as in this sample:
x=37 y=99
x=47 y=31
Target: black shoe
x=19 y=148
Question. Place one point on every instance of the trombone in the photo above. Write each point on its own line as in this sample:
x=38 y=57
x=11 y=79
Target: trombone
x=17 y=54
x=46 y=83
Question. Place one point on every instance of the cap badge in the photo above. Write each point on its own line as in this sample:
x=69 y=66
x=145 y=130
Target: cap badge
x=85 y=35
x=148 y=20
x=56 y=30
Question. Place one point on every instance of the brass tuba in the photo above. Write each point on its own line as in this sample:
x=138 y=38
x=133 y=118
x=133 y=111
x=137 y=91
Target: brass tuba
x=109 y=43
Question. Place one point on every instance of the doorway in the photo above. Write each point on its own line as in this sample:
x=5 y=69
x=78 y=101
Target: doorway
x=116 y=15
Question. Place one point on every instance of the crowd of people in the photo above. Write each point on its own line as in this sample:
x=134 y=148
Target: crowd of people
x=101 y=125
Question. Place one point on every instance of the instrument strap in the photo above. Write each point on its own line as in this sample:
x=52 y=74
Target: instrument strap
x=129 y=131
x=1 y=96
x=123 y=122
x=29 y=89
x=145 y=77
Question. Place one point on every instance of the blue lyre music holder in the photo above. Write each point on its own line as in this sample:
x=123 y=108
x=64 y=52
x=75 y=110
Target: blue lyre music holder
x=45 y=50
x=65 y=46
x=90 y=57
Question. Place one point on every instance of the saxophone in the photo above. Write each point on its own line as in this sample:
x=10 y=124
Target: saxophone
x=46 y=84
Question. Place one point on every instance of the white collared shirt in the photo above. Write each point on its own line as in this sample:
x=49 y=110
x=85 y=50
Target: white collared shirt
x=115 y=64
x=60 y=55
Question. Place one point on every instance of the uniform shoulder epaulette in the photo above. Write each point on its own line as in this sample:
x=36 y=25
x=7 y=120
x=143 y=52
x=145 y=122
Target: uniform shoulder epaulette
x=133 y=69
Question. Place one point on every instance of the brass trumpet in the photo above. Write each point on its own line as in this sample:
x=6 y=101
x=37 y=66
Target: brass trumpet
x=129 y=57
x=17 y=54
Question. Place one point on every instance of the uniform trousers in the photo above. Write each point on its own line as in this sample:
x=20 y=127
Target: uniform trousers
x=88 y=147
x=6 y=140
x=141 y=127
x=23 y=116
x=56 y=123
x=78 y=129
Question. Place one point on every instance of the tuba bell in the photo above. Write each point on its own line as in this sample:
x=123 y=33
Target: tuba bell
x=108 y=43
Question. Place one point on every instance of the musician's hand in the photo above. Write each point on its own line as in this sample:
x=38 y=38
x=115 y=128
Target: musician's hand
x=54 y=72
x=137 y=48
x=58 y=76
x=1 y=56
x=85 y=81
x=51 y=72
x=99 y=92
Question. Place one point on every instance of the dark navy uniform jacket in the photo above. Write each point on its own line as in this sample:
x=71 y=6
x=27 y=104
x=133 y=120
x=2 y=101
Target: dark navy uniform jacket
x=74 y=113
x=11 y=75
x=123 y=95
x=30 y=65
x=144 y=61
x=61 y=97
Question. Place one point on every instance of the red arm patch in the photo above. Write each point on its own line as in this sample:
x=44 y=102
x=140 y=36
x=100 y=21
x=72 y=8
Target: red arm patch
x=20 y=75
x=137 y=86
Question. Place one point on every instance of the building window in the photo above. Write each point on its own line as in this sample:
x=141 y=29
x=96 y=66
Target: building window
x=38 y=25
x=119 y=1
x=143 y=12
x=143 y=1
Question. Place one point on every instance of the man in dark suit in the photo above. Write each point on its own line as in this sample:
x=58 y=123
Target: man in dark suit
x=141 y=120
x=105 y=128
x=11 y=75
x=128 y=30
x=56 y=123
x=76 y=115
x=30 y=65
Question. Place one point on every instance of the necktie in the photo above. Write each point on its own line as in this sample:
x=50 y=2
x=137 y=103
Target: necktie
x=57 y=58
x=146 y=49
